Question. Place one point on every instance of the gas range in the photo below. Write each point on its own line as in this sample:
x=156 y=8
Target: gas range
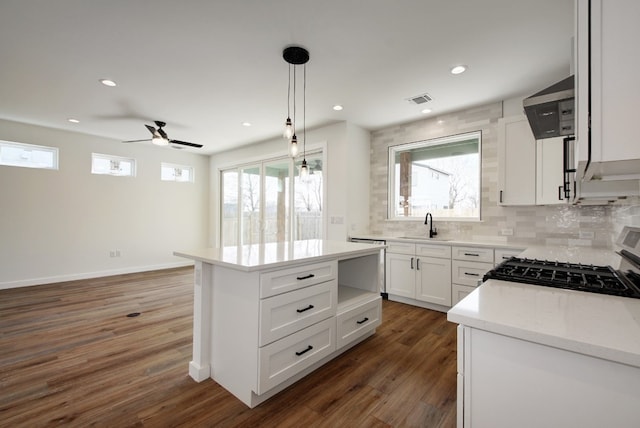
x=623 y=282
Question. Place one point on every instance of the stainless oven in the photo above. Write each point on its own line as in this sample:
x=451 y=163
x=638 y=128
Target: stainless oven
x=381 y=265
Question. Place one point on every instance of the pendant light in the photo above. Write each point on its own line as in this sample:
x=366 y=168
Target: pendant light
x=293 y=55
x=288 y=125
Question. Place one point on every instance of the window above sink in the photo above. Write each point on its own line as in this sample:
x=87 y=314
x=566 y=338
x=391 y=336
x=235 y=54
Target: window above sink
x=441 y=176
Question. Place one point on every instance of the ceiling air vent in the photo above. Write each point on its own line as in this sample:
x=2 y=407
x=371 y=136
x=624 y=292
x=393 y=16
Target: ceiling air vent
x=420 y=99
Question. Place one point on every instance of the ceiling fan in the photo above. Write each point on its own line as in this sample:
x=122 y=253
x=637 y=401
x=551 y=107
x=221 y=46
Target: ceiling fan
x=160 y=138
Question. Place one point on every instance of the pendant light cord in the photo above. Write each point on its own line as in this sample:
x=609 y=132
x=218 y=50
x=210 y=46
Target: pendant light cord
x=294 y=100
x=289 y=94
x=304 y=112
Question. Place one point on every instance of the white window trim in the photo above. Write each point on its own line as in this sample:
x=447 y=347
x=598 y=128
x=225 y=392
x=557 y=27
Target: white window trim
x=53 y=150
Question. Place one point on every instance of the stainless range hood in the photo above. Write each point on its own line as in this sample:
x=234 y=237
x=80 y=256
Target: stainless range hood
x=551 y=111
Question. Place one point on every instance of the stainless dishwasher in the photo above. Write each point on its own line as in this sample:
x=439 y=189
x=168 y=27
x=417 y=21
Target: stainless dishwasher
x=381 y=265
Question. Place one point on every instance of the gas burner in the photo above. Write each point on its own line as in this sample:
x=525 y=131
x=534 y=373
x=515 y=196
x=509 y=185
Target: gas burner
x=573 y=276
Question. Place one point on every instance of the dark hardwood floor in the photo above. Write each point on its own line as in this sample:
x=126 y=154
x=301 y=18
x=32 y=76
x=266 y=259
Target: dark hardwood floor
x=69 y=356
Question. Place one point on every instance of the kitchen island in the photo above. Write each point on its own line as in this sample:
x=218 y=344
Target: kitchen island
x=267 y=315
x=532 y=356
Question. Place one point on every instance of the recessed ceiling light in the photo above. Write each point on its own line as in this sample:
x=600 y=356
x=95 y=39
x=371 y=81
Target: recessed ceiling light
x=247 y=124
x=426 y=111
x=107 y=82
x=337 y=107
x=458 y=69
x=72 y=120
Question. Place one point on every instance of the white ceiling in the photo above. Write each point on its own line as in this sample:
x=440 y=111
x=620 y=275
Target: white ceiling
x=204 y=67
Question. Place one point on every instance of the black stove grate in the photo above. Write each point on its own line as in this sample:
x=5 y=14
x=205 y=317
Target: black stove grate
x=573 y=276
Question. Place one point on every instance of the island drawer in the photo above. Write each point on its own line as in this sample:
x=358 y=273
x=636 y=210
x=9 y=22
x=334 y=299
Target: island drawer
x=290 y=355
x=468 y=273
x=287 y=313
x=283 y=280
x=474 y=254
x=356 y=322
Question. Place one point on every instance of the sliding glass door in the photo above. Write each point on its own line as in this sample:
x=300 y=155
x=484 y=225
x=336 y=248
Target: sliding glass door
x=269 y=202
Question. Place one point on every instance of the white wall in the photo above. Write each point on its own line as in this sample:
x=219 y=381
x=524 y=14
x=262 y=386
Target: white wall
x=346 y=175
x=62 y=225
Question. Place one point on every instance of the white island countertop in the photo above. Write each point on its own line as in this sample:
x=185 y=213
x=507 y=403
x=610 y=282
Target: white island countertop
x=593 y=324
x=278 y=254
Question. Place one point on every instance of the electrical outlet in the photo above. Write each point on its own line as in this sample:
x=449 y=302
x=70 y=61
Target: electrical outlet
x=507 y=232
x=118 y=253
x=337 y=220
x=112 y=253
x=587 y=235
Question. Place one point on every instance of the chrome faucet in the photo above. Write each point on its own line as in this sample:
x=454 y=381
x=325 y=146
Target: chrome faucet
x=432 y=231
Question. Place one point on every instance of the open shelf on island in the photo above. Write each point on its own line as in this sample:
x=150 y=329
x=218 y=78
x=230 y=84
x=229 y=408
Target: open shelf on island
x=349 y=297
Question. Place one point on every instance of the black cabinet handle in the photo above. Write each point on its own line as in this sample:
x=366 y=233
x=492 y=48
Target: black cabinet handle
x=304 y=309
x=472 y=254
x=417 y=264
x=412 y=262
x=300 y=278
x=501 y=196
x=309 y=348
x=472 y=274
x=363 y=321
x=560 y=198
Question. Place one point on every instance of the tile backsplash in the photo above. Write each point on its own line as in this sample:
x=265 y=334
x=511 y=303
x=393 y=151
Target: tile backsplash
x=531 y=225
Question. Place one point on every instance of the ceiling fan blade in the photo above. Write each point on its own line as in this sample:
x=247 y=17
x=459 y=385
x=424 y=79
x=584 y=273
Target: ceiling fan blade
x=163 y=134
x=135 y=141
x=185 y=143
x=152 y=130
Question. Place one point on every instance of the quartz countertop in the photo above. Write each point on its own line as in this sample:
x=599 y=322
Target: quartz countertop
x=593 y=324
x=278 y=254
x=441 y=241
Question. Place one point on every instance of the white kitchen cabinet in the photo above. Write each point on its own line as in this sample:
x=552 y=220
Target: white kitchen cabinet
x=516 y=162
x=468 y=266
x=550 y=172
x=609 y=68
x=535 y=385
x=422 y=276
x=531 y=172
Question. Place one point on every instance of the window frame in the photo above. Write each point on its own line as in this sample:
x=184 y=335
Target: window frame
x=25 y=146
x=113 y=158
x=391 y=179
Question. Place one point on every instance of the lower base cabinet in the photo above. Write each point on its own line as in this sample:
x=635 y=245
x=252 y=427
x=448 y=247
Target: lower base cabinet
x=506 y=382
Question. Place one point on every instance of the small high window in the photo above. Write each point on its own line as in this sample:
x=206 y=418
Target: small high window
x=171 y=172
x=112 y=165
x=28 y=155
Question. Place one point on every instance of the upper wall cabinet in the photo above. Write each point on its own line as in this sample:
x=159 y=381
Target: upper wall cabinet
x=607 y=60
x=530 y=172
x=516 y=162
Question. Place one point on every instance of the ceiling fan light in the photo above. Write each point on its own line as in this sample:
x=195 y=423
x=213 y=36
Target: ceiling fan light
x=159 y=141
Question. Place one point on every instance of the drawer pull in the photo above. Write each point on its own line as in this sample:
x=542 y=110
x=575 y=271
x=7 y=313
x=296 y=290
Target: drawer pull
x=304 y=309
x=472 y=274
x=472 y=254
x=363 y=321
x=300 y=278
x=309 y=348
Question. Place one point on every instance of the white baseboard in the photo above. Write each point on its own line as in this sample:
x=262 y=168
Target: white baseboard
x=87 y=275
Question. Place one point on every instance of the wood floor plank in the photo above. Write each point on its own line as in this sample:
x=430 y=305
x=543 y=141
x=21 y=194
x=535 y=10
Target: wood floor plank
x=69 y=356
